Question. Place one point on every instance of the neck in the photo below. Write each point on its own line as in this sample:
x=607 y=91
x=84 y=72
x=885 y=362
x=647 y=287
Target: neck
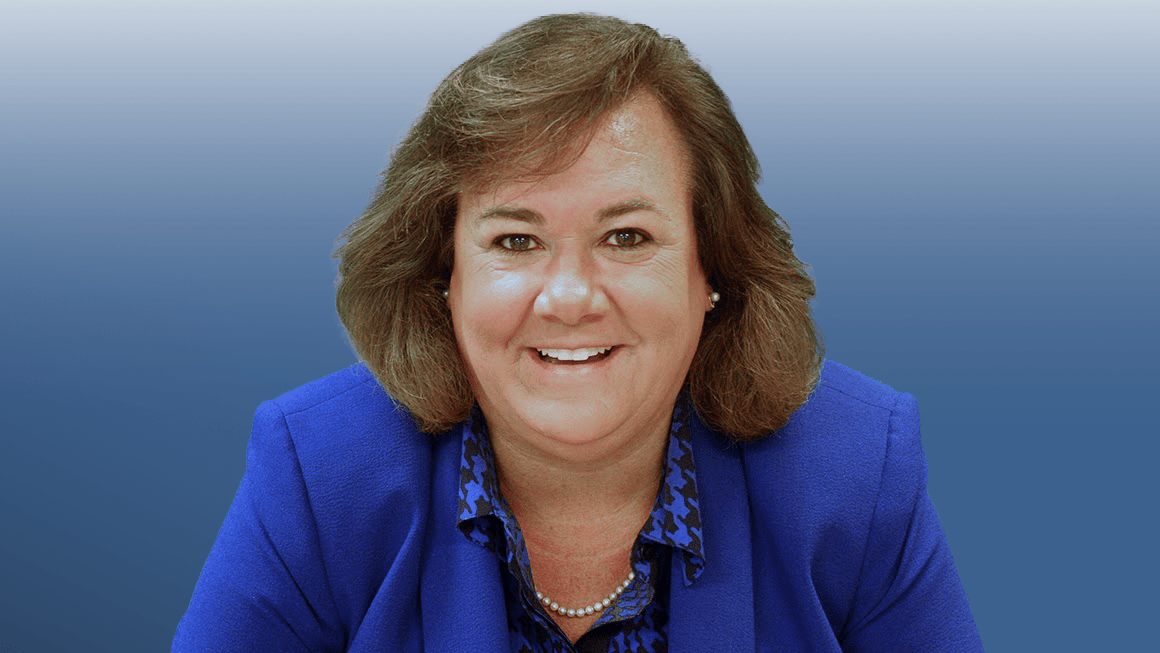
x=544 y=488
x=580 y=510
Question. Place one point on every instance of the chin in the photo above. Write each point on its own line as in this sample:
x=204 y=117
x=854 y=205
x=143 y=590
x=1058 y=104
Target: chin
x=574 y=422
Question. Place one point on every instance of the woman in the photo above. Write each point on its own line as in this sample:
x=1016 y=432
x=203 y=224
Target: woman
x=582 y=418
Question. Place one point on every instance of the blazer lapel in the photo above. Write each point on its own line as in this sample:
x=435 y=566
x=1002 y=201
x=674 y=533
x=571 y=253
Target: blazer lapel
x=460 y=588
x=715 y=613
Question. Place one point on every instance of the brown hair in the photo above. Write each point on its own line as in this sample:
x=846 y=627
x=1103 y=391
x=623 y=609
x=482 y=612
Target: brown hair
x=526 y=105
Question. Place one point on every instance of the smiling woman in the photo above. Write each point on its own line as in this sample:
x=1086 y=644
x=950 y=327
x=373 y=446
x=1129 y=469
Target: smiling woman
x=581 y=422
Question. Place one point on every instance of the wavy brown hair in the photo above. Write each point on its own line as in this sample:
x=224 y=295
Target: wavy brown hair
x=525 y=106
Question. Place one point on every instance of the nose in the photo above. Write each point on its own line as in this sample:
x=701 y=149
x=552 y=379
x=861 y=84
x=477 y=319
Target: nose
x=571 y=294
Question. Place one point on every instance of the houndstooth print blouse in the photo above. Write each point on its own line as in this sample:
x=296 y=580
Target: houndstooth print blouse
x=638 y=620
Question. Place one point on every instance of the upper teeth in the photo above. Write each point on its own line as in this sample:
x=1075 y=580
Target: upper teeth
x=573 y=354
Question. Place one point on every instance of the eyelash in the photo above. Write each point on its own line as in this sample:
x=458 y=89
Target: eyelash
x=504 y=243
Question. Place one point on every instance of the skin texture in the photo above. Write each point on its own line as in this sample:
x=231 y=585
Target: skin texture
x=601 y=254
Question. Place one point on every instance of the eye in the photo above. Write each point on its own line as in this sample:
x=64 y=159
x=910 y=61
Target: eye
x=516 y=242
x=626 y=238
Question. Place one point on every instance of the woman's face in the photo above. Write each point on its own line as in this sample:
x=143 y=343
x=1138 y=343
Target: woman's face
x=578 y=299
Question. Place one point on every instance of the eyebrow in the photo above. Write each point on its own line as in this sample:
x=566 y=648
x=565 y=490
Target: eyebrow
x=532 y=217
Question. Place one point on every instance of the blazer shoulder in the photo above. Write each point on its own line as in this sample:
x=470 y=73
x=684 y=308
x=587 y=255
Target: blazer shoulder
x=356 y=378
x=346 y=408
x=837 y=378
x=837 y=440
x=349 y=436
x=826 y=465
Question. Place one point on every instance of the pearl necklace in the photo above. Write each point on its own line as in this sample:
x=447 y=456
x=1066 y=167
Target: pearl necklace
x=552 y=606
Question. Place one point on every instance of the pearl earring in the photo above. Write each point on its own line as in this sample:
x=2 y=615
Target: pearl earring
x=446 y=293
x=714 y=297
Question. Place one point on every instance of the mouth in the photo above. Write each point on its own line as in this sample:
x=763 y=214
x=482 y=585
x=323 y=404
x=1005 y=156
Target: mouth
x=575 y=356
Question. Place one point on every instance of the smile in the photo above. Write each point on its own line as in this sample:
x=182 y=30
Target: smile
x=582 y=355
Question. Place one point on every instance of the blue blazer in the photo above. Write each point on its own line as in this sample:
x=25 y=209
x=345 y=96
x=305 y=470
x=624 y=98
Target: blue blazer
x=342 y=536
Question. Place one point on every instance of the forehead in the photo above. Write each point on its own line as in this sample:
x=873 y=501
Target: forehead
x=635 y=145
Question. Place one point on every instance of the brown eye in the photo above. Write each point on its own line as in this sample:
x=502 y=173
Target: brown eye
x=516 y=243
x=626 y=238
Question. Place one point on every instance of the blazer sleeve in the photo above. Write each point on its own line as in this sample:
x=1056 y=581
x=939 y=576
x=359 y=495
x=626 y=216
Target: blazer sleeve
x=264 y=586
x=909 y=597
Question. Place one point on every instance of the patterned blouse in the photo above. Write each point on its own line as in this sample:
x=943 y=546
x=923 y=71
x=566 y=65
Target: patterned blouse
x=638 y=619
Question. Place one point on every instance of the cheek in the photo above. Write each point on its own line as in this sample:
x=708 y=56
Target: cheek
x=666 y=316
x=669 y=289
x=487 y=308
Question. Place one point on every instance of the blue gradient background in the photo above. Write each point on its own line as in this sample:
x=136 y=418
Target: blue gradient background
x=974 y=184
